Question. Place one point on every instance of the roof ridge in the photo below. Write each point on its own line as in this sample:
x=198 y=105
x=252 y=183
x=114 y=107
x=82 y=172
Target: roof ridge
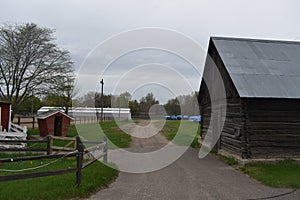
x=255 y=40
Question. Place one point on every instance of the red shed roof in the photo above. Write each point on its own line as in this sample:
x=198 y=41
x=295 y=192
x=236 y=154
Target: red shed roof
x=4 y=102
x=50 y=113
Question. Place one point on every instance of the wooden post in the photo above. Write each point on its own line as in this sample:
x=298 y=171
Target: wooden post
x=105 y=149
x=49 y=145
x=102 y=84
x=33 y=122
x=19 y=121
x=80 y=150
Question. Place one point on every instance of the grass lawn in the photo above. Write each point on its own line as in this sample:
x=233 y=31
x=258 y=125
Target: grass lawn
x=94 y=176
x=55 y=187
x=95 y=132
x=115 y=134
x=92 y=132
x=183 y=135
x=283 y=174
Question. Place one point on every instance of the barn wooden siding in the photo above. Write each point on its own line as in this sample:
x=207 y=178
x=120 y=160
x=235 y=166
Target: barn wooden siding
x=233 y=137
x=272 y=127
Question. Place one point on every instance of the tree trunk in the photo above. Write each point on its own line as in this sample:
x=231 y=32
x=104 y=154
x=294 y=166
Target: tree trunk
x=67 y=110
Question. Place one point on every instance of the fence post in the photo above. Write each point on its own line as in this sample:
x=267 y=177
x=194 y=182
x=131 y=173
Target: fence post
x=33 y=119
x=49 y=152
x=105 y=150
x=19 y=121
x=80 y=150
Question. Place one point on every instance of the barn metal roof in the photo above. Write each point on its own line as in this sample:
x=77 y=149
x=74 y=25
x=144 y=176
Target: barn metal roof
x=261 y=68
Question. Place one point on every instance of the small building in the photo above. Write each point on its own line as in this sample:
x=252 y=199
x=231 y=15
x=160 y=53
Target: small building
x=9 y=130
x=5 y=108
x=262 y=85
x=54 y=122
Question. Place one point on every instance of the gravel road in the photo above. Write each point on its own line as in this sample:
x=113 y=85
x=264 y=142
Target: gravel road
x=188 y=178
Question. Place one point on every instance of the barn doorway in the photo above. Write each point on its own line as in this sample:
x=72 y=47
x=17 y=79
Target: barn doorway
x=58 y=126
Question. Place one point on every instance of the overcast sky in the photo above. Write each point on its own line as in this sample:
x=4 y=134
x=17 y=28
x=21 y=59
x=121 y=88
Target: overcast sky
x=81 y=25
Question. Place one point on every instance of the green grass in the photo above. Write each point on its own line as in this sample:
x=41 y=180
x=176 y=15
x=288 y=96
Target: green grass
x=283 y=174
x=92 y=132
x=182 y=132
x=228 y=160
x=95 y=132
x=94 y=177
x=115 y=134
x=35 y=131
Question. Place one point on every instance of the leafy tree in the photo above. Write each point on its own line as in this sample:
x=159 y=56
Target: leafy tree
x=121 y=101
x=183 y=104
x=172 y=107
x=31 y=64
x=93 y=99
x=146 y=102
x=30 y=105
x=134 y=107
x=106 y=100
x=62 y=97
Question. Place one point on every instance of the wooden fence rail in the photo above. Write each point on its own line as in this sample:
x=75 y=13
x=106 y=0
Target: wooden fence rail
x=32 y=122
x=26 y=120
x=78 y=153
x=48 y=140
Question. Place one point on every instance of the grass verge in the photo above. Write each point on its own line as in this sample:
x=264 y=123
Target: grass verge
x=94 y=177
x=115 y=134
x=282 y=174
x=227 y=160
x=182 y=132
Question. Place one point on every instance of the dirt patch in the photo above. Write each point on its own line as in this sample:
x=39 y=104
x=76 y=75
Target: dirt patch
x=26 y=121
x=140 y=140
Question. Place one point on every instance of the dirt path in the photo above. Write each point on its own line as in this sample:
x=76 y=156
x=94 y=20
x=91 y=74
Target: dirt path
x=187 y=178
x=140 y=140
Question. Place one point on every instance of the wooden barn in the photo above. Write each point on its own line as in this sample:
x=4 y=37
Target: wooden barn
x=262 y=85
x=53 y=122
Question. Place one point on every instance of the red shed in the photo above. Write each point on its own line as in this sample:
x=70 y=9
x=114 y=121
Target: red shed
x=4 y=115
x=53 y=122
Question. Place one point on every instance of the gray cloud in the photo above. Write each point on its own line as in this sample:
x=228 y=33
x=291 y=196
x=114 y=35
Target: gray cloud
x=82 y=24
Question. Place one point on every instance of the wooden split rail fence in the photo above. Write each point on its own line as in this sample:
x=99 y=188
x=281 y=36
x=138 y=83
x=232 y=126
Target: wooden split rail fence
x=77 y=152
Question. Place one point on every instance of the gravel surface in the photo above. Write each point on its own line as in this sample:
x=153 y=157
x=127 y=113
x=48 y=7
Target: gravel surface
x=188 y=178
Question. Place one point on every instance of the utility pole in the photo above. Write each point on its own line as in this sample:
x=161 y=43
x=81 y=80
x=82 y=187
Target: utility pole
x=102 y=83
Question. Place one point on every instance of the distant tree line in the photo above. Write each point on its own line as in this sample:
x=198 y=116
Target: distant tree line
x=123 y=100
x=183 y=104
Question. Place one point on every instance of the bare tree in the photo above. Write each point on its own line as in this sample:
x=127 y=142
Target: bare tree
x=31 y=64
x=64 y=92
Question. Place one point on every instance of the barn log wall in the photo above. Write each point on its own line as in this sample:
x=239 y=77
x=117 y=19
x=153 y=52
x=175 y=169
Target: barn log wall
x=273 y=127
x=205 y=109
x=234 y=121
x=233 y=137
